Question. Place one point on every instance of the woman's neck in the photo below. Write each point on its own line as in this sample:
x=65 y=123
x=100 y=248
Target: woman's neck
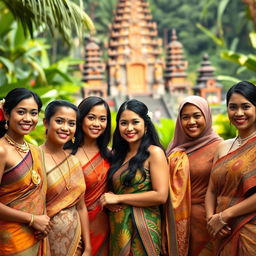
x=90 y=144
x=245 y=133
x=16 y=137
x=51 y=147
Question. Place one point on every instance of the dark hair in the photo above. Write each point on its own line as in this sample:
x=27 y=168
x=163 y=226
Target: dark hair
x=13 y=98
x=103 y=140
x=246 y=89
x=121 y=146
x=54 y=106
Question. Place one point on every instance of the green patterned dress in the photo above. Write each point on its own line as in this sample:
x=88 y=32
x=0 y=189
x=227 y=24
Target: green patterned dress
x=134 y=230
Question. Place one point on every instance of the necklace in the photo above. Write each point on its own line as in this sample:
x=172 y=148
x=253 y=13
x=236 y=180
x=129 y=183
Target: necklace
x=99 y=176
x=241 y=141
x=67 y=184
x=23 y=148
x=35 y=177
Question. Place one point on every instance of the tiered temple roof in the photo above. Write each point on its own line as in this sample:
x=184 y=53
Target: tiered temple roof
x=133 y=49
x=206 y=84
x=93 y=70
x=175 y=67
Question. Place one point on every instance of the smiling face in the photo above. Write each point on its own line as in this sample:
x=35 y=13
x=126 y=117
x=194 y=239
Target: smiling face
x=95 y=122
x=242 y=113
x=131 y=126
x=23 y=117
x=61 y=126
x=192 y=120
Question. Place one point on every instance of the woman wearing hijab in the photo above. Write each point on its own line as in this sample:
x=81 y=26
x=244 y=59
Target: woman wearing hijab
x=190 y=157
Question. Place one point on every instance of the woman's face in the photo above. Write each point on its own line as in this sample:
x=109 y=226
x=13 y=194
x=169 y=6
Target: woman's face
x=23 y=117
x=131 y=126
x=62 y=126
x=241 y=112
x=95 y=122
x=192 y=120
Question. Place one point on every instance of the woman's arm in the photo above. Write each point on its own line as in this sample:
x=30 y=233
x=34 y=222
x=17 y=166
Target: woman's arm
x=159 y=173
x=83 y=214
x=39 y=222
x=210 y=200
x=218 y=221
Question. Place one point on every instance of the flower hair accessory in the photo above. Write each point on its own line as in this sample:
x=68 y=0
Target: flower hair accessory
x=2 y=101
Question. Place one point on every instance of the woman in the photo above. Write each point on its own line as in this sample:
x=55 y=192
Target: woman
x=231 y=200
x=138 y=178
x=90 y=147
x=191 y=156
x=22 y=178
x=65 y=193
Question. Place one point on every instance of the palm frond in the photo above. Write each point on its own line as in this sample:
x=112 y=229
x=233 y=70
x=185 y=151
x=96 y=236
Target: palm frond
x=63 y=15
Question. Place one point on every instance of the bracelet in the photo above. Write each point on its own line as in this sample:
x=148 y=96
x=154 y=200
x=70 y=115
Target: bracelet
x=221 y=220
x=31 y=220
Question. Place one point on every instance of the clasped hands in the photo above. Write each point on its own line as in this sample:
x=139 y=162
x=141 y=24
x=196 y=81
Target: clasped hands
x=42 y=225
x=111 y=202
x=217 y=227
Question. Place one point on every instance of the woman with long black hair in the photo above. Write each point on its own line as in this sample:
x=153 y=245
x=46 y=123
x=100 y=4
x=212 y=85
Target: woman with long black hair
x=138 y=178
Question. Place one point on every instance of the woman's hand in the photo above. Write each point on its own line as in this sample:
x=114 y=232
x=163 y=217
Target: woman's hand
x=42 y=223
x=114 y=207
x=109 y=198
x=226 y=231
x=215 y=225
x=87 y=252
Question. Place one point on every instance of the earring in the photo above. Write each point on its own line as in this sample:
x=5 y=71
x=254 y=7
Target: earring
x=6 y=125
x=73 y=140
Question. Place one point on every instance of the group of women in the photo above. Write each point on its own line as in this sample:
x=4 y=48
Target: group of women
x=74 y=195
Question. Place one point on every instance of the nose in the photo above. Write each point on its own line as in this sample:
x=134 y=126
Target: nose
x=27 y=117
x=96 y=122
x=64 y=126
x=130 y=127
x=239 y=112
x=191 y=120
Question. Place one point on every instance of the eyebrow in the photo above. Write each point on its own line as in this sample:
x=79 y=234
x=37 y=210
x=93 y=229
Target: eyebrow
x=27 y=108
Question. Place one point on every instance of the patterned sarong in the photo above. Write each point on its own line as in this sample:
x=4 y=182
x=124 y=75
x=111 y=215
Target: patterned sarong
x=19 y=192
x=234 y=179
x=95 y=173
x=65 y=235
x=134 y=230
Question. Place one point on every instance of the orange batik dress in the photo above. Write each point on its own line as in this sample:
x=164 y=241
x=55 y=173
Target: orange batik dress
x=234 y=179
x=19 y=192
x=65 y=186
x=95 y=173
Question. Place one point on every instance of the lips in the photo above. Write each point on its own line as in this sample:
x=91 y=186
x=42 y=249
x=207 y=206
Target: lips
x=63 y=135
x=130 y=135
x=26 y=127
x=95 y=131
x=240 y=121
x=192 y=129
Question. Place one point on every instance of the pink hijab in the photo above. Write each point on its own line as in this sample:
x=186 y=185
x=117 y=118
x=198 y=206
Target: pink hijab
x=181 y=141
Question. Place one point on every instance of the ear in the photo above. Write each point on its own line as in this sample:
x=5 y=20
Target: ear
x=6 y=116
x=45 y=123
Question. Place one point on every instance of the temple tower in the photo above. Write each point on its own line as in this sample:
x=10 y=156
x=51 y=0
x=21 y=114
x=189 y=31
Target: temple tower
x=206 y=84
x=134 y=66
x=175 y=68
x=93 y=71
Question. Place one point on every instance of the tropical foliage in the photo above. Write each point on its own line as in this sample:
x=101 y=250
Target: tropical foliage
x=230 y=48
x=63 y=15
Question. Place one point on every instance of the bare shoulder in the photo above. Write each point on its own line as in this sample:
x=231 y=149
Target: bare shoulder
x=224 y=147
x=155 y=151
x=3 y=149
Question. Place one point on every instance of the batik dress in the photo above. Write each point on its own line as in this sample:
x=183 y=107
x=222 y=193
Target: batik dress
x=18 y=191
x=134 y=230
x=65 y=186
x=234 y=179
x=95 y=173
